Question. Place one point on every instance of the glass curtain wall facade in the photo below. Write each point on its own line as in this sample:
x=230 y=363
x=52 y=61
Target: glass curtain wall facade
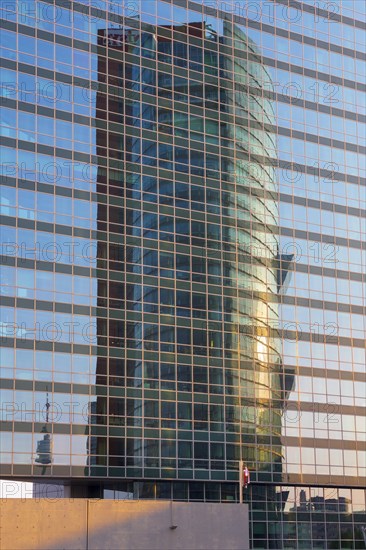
x=183 y=256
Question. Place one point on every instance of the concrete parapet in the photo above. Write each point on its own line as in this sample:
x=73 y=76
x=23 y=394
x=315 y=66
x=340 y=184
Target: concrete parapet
x=83 y=524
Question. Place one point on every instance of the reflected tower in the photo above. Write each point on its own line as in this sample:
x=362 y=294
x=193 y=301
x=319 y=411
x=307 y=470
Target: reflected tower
x=188 y=310
x=44 y=445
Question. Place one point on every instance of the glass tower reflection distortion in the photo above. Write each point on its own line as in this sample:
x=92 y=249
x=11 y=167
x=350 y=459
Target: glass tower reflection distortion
x=182 y=273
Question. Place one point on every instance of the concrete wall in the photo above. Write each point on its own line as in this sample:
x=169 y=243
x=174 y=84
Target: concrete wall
x=81 y=524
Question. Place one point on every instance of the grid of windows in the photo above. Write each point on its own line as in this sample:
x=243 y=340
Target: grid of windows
x=182 y=278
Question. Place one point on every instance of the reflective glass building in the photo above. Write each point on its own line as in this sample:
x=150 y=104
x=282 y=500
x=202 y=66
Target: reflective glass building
x=183 y=259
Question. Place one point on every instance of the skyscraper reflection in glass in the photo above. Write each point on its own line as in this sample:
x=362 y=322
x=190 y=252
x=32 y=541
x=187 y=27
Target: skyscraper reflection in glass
x=182 y=273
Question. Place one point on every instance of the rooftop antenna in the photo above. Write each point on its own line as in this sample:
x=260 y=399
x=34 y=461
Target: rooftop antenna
x=47 y=406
